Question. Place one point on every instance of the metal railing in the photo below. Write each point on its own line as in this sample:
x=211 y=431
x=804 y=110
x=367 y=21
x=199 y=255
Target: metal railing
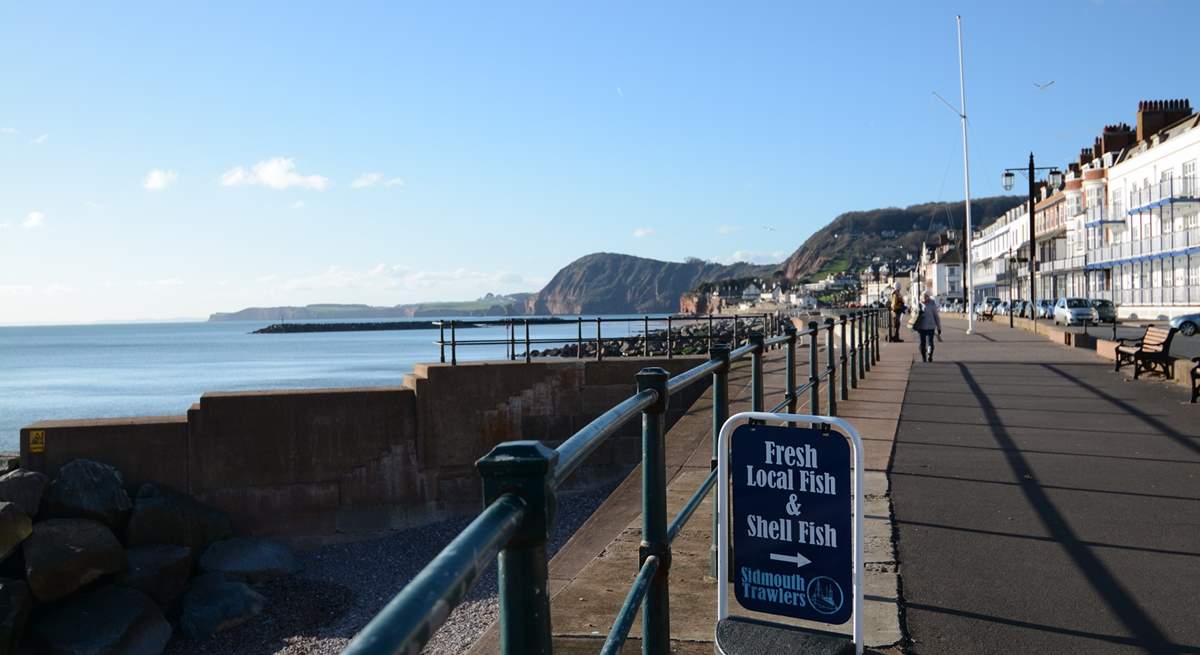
x=1173 y=189
x=520 y=479
x=662 y=337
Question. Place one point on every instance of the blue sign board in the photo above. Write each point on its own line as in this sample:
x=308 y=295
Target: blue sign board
x=793 y=547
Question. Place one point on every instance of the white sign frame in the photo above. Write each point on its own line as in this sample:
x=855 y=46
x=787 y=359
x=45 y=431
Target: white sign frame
x=723 y=504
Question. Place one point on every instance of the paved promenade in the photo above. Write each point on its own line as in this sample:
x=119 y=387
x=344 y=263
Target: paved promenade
x=1044 y=503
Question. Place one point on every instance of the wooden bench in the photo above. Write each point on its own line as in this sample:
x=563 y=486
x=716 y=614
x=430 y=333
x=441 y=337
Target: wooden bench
x=1153 y=349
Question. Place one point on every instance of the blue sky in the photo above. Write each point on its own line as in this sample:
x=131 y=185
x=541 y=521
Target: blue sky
x=169 y=161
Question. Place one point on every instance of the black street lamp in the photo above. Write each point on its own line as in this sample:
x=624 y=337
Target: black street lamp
x=1013 y=260
x=1055 y=179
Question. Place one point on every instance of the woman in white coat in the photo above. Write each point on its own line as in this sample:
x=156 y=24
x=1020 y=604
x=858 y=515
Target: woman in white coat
x=929 y=322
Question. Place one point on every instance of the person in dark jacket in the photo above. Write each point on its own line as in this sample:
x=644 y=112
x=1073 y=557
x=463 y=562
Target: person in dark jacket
x=929 y=322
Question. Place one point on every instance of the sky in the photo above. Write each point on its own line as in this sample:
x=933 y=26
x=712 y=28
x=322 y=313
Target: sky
x=169 y=160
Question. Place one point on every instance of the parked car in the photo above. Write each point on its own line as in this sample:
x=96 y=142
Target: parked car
x=1072 y=311
x=1186 y=324
x=1103 y=311
x=1045 y=308
x=1022 y=309
x=1002 y=308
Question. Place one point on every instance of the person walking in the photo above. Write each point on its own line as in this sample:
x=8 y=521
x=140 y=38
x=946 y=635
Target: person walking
x=896 y=305
x=927 y=323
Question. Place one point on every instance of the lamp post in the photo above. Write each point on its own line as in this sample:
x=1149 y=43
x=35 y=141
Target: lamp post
x=1013 y=260
x=1055 y=179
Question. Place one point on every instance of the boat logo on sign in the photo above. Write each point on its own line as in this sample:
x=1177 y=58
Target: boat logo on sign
x=792 y=541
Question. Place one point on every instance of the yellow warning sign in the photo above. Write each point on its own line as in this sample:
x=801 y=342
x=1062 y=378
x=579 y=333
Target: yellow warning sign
x=37 y=441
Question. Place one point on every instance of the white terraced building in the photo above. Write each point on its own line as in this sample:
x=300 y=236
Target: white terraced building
x=1125 y=226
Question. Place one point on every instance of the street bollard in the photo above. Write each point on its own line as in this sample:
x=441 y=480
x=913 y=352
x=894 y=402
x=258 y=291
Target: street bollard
x=756 y=372
x=720 y=413
x=842 y=356
x=814 y=380
x=656 y=609
x=831 y=367
x=526 y=469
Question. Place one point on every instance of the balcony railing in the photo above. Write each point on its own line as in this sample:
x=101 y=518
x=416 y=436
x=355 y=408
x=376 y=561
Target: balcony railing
x=1183 y=295
x=1173 y=242
x=1181 y=189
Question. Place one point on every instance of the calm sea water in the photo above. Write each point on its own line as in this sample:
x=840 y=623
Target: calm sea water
x=88 y=371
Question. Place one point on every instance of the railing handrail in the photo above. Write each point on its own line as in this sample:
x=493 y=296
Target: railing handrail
x=522 y=480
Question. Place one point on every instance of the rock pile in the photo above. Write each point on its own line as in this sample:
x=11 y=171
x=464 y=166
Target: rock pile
x=86 y=569
x=688 y=339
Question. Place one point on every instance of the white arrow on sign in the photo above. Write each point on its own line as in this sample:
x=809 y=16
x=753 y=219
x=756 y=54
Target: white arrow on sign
x=799 y=559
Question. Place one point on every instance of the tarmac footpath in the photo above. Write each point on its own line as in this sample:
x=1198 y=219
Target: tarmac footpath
x=1044 y=503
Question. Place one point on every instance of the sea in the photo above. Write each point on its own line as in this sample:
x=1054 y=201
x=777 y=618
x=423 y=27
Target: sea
x=156 y=369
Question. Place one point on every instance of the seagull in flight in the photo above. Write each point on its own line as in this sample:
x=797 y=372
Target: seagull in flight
x=1043 y=87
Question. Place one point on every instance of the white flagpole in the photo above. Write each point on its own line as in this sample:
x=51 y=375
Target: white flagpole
x=968 y=293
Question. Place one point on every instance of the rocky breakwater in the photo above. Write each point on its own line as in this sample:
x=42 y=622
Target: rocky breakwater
x=84 y=568
x=687 y=339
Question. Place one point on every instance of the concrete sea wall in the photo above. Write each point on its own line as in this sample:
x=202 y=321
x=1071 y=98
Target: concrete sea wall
x=320 y=462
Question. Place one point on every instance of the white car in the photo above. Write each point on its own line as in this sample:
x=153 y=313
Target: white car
x=1072 y=311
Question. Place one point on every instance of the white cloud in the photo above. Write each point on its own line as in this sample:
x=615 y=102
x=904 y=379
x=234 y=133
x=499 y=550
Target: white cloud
x=752 y=257
x=40 y=139
x=33 y=220
x=161 y=283
x=726 y=229
x=299 y=204
x=91 y=204
x=367 y=180
x=9 y=130
x=642 y=232
x=275 y=173
x=158 y=179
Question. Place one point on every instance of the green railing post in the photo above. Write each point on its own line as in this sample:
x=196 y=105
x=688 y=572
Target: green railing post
x=866 y=359
x=790 y=378
x=578 y=337
x=710 y=331
x=831 y=367
x=853 y=350
x=756 y=372
x=814 y=380
x=862 y=354
x=670 y=345
x=656 y=611
x=453 y=343
x=735 y=331
x=645 y=336
x=442 y=341
x=526 y=469
x=599 y=342
x=842 y=357
x=720 y=414
x=527 y=355
x=875 y=334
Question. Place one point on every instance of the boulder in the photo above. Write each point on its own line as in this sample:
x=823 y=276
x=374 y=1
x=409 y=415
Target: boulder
x=159 y=570
x=15 y=603
x=106 y=620
x=14 y=527
x=250 y=559
x=213 y=603
x=25 y=489
x=63 y=555
x=85 y=489
x=162 y=515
